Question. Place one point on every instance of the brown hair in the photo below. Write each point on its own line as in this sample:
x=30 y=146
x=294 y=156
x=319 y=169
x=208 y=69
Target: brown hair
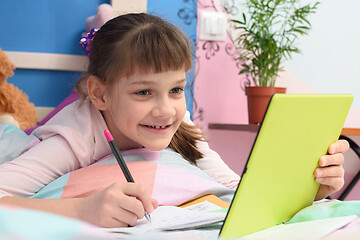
x=144 y=43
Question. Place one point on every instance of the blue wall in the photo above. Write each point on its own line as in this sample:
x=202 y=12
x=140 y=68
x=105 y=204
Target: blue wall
x=56 y=27
x=44 y=26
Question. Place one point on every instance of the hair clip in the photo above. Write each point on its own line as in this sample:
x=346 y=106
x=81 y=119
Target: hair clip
x=86 y=40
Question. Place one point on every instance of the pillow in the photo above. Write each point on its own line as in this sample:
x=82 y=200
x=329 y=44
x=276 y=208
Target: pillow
x=169 y=177
x=14 y=142
x=327 y=209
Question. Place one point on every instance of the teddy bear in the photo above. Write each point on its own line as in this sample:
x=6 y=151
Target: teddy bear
x=15 y=108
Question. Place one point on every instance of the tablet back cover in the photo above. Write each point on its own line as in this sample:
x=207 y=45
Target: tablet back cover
x=278 y=180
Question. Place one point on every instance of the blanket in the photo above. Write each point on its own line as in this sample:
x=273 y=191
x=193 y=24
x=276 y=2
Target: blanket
x=13 y=142
x=170 y=178
x=21 y=223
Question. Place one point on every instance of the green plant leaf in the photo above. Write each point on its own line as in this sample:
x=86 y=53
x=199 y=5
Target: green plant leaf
x=244 y=18
x=268 y=36
x=244 y=71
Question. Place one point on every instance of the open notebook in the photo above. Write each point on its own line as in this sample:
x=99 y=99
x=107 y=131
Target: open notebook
x=200 y=212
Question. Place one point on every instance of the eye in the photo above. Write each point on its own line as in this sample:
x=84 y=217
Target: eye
x=176 y=90
x=143 y=93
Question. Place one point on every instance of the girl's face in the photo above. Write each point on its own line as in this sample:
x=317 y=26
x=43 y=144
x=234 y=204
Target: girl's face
x=146 y=110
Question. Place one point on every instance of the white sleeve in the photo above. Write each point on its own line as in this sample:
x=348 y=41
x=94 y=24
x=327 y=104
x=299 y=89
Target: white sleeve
x=42 y=164
x=70 y=140
x=212 y=163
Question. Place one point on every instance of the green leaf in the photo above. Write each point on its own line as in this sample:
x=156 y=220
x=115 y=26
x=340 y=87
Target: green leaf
x=269 y=35
x=244 y=71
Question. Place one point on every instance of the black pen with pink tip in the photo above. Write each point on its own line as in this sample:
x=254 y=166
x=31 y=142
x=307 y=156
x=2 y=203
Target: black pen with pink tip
x=121 y=162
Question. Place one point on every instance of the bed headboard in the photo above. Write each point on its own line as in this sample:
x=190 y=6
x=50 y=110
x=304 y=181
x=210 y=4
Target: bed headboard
x=66 y=62
x=47 y=61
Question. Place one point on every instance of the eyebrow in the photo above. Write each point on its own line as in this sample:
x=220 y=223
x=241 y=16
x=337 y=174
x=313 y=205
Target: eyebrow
x=144 y=82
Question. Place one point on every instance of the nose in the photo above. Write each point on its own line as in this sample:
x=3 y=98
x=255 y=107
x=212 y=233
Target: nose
x=163 y=107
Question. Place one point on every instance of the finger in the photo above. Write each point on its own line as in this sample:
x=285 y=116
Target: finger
x=110 y=217
x=329 y=160
x=334 y=183
x=332 y=171
x=133 y=205
x=155 y=203
x=112 y=222
x=339 y=146
x=140 y=192
x=125 y=217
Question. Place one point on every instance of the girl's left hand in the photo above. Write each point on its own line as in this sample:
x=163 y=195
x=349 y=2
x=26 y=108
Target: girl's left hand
x=331 y=173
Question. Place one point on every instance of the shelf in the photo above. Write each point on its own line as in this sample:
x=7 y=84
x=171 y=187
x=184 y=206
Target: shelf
x=351 y=131
x=255 y=128
x=235 y=127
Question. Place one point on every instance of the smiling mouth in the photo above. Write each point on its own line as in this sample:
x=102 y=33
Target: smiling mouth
x=157 y=127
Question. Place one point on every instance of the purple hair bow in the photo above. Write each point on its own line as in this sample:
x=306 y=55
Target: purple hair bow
x=86 y=40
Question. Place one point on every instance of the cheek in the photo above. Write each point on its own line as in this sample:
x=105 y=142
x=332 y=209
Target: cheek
x=180 y=114
x=123 y=115
x=181 y=109
x=133 y=114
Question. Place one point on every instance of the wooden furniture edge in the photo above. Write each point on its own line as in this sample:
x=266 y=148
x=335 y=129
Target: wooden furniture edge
x=48 y=61
x=351 y=131
x=255 y=128
x=236 y=127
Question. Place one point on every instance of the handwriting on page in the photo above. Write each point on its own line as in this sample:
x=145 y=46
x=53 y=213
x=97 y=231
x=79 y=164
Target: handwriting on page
x=173 y=218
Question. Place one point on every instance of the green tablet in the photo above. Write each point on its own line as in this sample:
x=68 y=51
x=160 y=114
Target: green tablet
x=278 y=179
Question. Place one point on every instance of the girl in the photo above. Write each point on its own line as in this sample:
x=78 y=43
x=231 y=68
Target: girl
x=134 y=87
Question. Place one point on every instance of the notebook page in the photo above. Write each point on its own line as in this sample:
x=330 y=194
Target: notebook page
x=310 y=230
x=174 y=218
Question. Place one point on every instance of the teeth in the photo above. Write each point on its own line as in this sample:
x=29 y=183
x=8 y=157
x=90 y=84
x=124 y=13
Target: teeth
x=158 y=127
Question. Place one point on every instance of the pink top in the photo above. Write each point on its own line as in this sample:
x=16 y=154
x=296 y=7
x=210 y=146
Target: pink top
x=71 y=141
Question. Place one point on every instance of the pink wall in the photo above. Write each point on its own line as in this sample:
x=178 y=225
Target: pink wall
x=218 y=87
x=220 y=98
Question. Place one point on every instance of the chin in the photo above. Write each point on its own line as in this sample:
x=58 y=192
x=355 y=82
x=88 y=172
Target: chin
x=152 y=148
x=158 y=147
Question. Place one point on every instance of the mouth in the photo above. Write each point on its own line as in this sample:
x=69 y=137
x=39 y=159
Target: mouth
x=156 y=126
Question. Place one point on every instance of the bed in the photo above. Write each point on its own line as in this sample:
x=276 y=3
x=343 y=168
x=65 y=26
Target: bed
x=19 y=223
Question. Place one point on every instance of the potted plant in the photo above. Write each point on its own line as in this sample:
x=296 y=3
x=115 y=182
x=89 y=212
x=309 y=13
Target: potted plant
x=267 y=35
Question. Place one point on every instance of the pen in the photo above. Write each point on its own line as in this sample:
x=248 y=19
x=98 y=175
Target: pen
x=121 y=162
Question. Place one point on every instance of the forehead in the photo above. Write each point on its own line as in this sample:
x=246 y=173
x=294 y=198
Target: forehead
x=178 y=76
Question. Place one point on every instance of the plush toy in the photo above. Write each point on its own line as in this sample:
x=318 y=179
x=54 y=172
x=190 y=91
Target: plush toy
x=15 y=107
x=104 y=13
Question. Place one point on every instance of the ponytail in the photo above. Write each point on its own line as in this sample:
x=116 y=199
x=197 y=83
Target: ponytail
x=184 y=142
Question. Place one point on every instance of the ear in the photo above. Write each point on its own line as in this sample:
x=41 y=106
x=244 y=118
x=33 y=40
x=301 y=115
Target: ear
x=96 y=91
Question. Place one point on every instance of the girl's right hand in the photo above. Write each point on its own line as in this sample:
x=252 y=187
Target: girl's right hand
x=119 y=205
